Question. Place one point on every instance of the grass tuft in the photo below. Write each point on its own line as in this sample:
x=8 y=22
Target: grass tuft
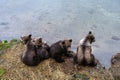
x=81 y=76
x=2 y=71
x=5 y=44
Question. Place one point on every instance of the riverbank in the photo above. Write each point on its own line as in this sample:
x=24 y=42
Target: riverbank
x=47 y=70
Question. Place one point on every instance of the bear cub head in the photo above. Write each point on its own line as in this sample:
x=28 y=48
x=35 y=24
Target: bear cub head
x=90 y=37
x=25 y=39
x=66 y=44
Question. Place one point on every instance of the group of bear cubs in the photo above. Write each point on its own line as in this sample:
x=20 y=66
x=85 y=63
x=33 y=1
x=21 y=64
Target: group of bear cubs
x=37 y=50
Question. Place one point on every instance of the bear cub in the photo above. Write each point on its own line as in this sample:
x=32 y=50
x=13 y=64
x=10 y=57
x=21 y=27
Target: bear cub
x=84 y=54
x=60 y=48
x=30 y=56
x=25 y=39
x=42 y=49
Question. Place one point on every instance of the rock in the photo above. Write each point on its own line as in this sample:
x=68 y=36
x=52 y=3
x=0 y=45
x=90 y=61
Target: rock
x=115 y=66
x=115 y=61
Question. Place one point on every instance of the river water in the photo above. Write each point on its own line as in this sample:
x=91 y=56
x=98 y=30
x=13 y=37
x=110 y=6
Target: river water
x=61 y=19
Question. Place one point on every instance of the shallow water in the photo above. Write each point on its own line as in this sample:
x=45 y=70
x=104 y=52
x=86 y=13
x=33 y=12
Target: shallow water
x=59 y=19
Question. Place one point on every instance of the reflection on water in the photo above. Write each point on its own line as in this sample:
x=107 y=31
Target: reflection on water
x=58 y=19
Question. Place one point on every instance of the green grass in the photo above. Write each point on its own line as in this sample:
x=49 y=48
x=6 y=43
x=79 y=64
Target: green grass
x=2 y=71
x=80 y=76
x=5 y=44
x=84 y=77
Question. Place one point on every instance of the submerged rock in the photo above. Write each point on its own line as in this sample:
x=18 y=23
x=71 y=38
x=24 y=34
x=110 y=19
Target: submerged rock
x=4 y=23
x=115 y=38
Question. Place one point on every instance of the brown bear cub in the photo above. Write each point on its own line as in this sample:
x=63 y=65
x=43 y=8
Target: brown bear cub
x=30 y=56
x=42 y=49
x=60 y=48
x=84 y=55
x=25 y=39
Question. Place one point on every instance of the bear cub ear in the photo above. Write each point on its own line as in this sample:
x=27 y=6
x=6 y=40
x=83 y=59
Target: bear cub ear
x=90 y=32
x=70 y=40
x=26 y=37
x=29 y=35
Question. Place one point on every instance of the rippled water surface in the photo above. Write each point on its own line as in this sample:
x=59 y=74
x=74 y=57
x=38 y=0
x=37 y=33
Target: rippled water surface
x=59 y=19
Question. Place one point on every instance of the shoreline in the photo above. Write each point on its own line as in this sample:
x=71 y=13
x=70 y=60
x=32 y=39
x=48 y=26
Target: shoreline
x=15 y=41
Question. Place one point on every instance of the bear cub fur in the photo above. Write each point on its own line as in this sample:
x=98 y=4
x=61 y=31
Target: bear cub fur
x=42 y=49
x=30 y=56
x=60 y=48
x=84 y=54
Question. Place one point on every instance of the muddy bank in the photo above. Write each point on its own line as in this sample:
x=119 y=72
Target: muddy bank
x=46 y=70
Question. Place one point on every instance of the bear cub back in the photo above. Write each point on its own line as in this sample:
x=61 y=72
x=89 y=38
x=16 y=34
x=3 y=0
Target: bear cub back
x=30 y=57
x=42 y=49
x=60 y=48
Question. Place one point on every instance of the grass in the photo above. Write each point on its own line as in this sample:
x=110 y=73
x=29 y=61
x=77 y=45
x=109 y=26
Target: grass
x=5 y=44
x=81 y=76
x=2 y=71
x=84 y=77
